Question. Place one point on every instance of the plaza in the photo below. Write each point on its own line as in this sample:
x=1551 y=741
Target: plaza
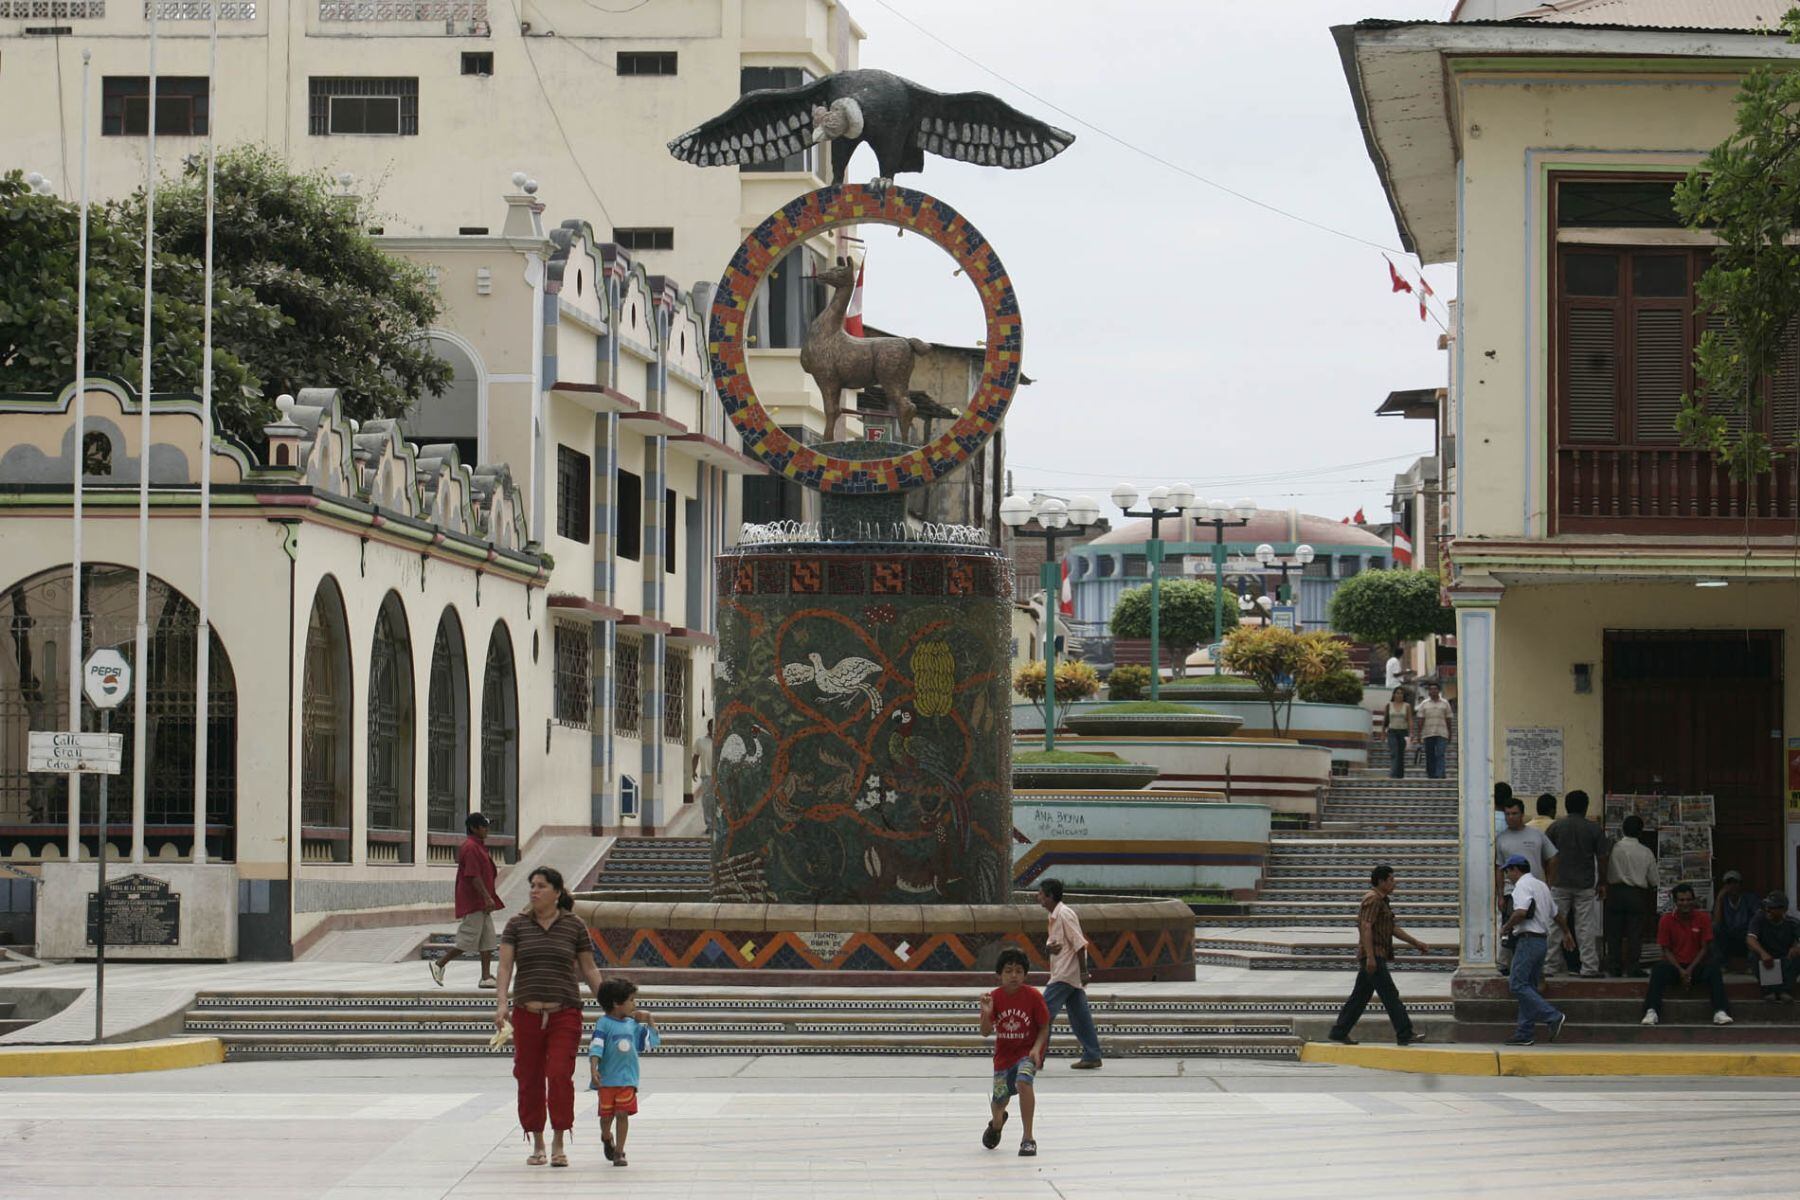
x=890 y=1128
x=570 y=601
